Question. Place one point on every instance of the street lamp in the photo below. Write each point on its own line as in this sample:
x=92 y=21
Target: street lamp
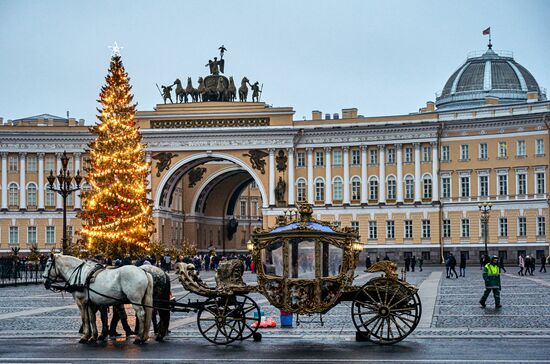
x=64 y=179
x=484 y=212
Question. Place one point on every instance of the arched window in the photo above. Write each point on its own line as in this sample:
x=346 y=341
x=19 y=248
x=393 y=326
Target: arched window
x=301 y=190
x=409 y=187
x=356 y=188
x=392 y=185
x=373 y=188
x=319 y=189
x=31 y=195
x=427 y=183
x=14 y=195
x=337 y=188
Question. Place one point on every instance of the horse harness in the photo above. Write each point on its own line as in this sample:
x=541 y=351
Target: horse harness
x=76 y=277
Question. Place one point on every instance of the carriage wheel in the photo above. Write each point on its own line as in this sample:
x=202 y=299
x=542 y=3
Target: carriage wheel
x=385 y=311
x=219 y=320
x=246 y=307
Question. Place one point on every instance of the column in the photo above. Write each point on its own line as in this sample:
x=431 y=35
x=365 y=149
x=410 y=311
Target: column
x=271 y=177
x=382 y=174
x=399 y=149
x=22 y=181
x=417 y=177
x=41 y=181
x=310 y=197
x=4 y=180
x=345 y=150
x=148 y=161
x=328 y=176
x=77 y=203
x=435 y=172
x=291 y=183
x=59 y=199
x=364 y=181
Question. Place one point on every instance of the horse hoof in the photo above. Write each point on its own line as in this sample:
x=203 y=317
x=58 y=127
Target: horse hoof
x=82 y=341
x=159 y=338
x=101 y=337
x=92 y=341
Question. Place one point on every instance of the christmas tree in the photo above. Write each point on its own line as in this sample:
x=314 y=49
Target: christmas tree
x=116 y=213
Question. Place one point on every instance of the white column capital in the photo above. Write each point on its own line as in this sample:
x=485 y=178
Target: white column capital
x=22 y=155
x=416 y=145
x=328 y=149
x=4 y=155
x=309 y=149
x=345 y=148
x=59 y=154
x=381 y=146
x=41 y=155
x=364 y=147
x=398 y=146
x=290 y=150
x=77 y=154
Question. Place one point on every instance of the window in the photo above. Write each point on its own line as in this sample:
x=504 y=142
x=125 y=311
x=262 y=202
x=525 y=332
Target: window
x=319 y=189
x=391 y=155
x=390 y=229
x=373 y=233
x=373 y=188
x=445 y=153
x=13 y=163
x=14 y=195
x=539 y=149
x=243 y=208
x=319 y=159
x=301 y=159
x=355 y=157
x=446 y=228
x=409 y=187
x=465 y=228
x=50 y=198
x=503 y=227
x=337 y=188
x=521 y=184
x=446 y=187
x=50 y=234
x=503 y=185
x=31 y=195
x=464 y=152
x=520 y=146
x=427 y=182
x=465 y=186
x=70 y=199
x=483 y=151
x=31 y=163
x=541 y=182
x=408 y=155
x=408 y=229
x=426 y=154
x=484 y=186
x=70 y=164
x=426 y=255
x=502 y=150
x=355 y=188
x=541 y=226
x=301 y=190
x=392 y=186
x=426 y=233
x=522 y=226
x=50 y=164
x=14 y=235
x=355 y=225
x=31 y=235
x=373 y=156
x=337 y=157
x=253 y=185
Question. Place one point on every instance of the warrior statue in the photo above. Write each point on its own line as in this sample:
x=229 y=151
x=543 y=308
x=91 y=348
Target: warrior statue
x=166 y=93
x=255 y=92
x=280 y=190
x=215 y=66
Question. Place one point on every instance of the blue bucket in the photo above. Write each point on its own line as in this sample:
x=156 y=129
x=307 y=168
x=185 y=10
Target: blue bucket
x=286 y=319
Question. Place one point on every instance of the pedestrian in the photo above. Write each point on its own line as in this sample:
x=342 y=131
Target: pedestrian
x=533 y=264
x=521 y=263
x=448 y=265
x=501 y=265
x=377 y=258
x=453 y=265
x=413 y=263
x=528 y=265
x=491 y=276
x=207 y=262
x=407 y=263
x=543 y=263
x=368 y=263
x=462 y=265
x=420 y=263
x=386 y=257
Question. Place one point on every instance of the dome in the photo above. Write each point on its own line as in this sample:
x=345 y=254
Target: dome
x=493 y=73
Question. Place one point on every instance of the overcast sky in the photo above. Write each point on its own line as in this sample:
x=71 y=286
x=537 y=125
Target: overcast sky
x=383 y=57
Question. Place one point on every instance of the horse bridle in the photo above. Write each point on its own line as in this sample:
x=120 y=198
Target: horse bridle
x=48 y=281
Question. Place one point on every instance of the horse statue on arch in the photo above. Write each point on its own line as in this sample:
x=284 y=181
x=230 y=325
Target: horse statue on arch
x=231 y=90
x=92 y=287
x=180 y=91
x=220 y=90
x=201 y=89
x=243 y=90
x=191 y=91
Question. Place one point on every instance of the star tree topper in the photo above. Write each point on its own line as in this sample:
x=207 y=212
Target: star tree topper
x=115 y=49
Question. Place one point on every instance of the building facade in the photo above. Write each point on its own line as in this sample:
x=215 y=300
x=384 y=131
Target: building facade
x=410 y=184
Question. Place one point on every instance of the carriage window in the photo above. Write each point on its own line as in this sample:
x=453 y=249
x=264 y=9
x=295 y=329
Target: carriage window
x=302 y=258
x=331 y=263
x=272 y=259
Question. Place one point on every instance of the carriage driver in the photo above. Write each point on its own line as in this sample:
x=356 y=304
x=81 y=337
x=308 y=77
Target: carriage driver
x=491 y=276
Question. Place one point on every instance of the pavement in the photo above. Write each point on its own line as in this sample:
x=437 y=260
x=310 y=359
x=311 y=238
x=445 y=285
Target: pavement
x=40 y=326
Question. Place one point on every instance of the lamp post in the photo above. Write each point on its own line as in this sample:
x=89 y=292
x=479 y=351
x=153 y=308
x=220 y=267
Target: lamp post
x=64 y=179
x=484 y=212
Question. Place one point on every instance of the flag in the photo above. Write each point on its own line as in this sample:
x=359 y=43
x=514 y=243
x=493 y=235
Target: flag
x=487 y=31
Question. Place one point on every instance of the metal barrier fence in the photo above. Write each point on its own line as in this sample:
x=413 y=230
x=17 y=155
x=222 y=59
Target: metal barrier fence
x=13 y=273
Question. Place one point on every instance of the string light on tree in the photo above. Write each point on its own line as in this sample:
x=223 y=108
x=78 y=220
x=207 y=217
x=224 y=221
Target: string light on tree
x=116 y=213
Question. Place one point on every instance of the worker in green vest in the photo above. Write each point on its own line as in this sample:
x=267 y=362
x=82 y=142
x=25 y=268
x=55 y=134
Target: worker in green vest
x=491 y=276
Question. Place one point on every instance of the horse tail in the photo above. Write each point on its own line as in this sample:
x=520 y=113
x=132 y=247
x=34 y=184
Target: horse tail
x=147 y=301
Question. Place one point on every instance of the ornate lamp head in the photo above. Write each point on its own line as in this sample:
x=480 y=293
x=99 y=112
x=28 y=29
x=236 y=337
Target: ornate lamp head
x=51 y=179
x=78 y=179
x=64 y=160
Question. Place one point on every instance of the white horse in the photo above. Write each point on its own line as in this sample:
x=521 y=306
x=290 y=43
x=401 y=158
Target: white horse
x=127 y=284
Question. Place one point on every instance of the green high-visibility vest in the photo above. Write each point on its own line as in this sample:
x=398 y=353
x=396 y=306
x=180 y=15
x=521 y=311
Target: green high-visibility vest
x=492 y=269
